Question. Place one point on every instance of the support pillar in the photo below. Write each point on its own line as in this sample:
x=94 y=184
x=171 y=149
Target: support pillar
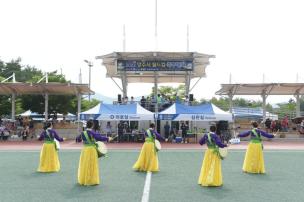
x=13 y=106
x=298 y=113
x=155 y=97
x=46 y=106
x=78 y=111
x=124 y=83
x=187 y=83
x=264 y=107
x=230 y=102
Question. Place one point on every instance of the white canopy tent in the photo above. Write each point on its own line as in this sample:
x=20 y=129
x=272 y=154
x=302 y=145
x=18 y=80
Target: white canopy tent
x=205 y=112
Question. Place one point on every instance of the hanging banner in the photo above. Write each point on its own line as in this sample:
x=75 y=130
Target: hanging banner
x=139 y=65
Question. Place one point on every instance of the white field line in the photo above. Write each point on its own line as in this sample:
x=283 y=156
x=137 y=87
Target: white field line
x=145 y=196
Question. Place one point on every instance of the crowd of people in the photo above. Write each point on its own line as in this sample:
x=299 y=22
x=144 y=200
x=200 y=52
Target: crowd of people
x=277 y=125
x=21 y=128
x=161 y=101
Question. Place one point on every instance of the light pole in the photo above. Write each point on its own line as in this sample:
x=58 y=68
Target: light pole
x=90 y=64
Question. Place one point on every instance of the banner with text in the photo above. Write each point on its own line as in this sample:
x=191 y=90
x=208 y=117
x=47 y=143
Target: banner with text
x=139 y=65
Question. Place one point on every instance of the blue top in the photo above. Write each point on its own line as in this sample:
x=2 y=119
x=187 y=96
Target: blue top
x=52 y=133
x=214 y=137
x=155 y=134
x=252 y=135
x=92 y=135
x=167 y=128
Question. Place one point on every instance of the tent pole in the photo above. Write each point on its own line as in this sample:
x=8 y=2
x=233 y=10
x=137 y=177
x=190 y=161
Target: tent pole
x=78 y=110
x=230 y=102
x=298 y=109
x=155 y=97
x=264 y=107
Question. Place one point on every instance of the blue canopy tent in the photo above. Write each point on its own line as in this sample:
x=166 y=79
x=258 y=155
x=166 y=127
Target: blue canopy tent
x=109 y=112
x=92 y=113
x=129 y=112
x=204 y=112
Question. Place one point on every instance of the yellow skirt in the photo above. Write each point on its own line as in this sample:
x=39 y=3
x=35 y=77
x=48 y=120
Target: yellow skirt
x=88 y=170
x=147 y=160
x=254 y=159
x=211 y=171
x=49 y=161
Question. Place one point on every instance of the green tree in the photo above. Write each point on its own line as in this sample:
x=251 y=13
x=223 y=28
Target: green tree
x=57 y=103
x=171 y=92
x=5 y=105
x=222 y=102
x=86 y=104
x=288 y=109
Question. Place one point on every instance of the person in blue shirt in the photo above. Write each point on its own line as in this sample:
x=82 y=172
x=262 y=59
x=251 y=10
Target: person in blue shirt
x=167 y=131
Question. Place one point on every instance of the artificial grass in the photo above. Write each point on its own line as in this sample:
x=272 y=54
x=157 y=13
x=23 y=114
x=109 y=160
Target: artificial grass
x=180 y=170
x=176 y=181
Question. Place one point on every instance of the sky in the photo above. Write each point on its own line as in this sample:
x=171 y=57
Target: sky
x=250 y=38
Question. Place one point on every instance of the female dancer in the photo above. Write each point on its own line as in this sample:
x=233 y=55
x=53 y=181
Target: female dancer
x=148 y=159
x=88 y=170
x=49 y=161
x=211 y=171
x=254 y=159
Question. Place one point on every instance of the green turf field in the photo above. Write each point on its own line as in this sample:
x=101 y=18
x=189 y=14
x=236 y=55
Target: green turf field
x=176 y=181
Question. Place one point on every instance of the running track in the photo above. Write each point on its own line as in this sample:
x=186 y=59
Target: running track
x=297 y=144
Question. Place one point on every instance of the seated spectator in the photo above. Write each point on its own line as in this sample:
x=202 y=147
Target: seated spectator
x=268 y=125
x=143 y=101
x=278 y=126
x=122 y=101
x=187 y=100
x=132 y=100
x=172 y=135
x=126 y=100
x=273 y=126
x=108 y=129
x=284 y=124
x=120 y=130
x=301 y=130
x=25 y=132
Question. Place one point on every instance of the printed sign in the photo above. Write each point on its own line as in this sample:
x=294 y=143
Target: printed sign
x=139 y=65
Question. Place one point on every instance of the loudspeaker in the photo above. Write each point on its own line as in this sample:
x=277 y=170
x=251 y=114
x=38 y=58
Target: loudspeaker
x=119 y=98
x=190 y=97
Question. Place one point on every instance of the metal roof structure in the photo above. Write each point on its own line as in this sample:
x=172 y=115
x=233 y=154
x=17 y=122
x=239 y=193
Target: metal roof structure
x=46 y=89
x=43 y=88
x=262 y=88
x=200 y=62
x=155 y=67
